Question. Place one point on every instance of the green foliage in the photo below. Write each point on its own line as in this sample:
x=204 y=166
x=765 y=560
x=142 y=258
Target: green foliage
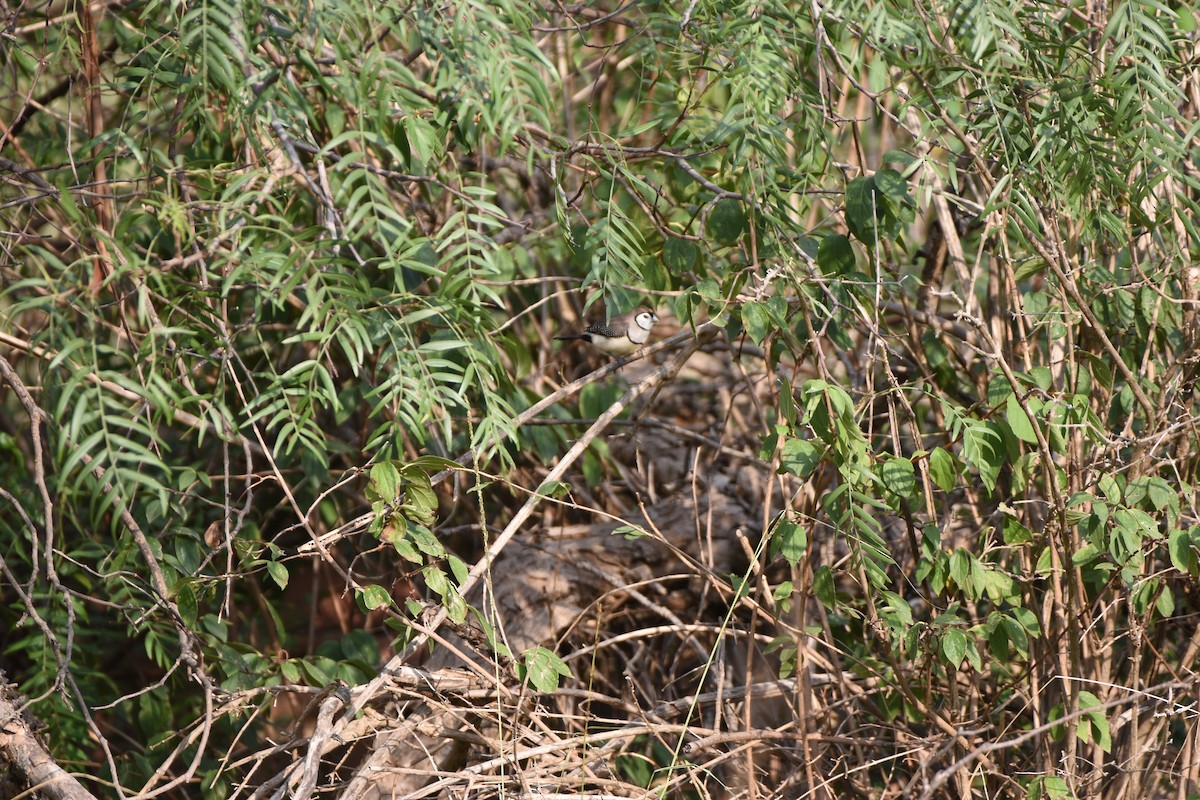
x=268 y=266
x=878 y=207
x=542 y=669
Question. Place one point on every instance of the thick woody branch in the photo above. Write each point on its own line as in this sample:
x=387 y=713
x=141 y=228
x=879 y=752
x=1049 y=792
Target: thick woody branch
x=25 y=755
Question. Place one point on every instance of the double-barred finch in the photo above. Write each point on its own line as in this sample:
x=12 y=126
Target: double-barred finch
x=622 y=335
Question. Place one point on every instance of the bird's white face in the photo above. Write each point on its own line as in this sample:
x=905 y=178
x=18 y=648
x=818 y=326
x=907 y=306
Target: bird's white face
x=645 y=320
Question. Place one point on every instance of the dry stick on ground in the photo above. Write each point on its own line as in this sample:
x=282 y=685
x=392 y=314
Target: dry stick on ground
x=318 y=741
x=361 y=698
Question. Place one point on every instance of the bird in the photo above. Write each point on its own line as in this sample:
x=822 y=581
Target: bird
x=622 y=335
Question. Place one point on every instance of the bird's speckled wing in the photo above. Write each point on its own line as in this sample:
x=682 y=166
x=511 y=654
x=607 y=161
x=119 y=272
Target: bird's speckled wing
x=607 y=331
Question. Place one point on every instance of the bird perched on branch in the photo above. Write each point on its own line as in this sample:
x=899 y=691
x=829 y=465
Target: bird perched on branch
x=621 y=335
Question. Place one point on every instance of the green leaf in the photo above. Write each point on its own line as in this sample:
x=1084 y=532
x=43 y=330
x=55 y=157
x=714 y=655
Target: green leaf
x=598 y=397
x=823 y=586
x=954 y=647
x=630 y=532
x=291 y=671
x=861 y=209
x=456 y=607
x=554 y=489
x=1165 y=605
x=360 y=646
x=278 y=573
x=983 y=448
x=404 y=547
x=898 y=476
x=458 y=568
x=961 y=562
x=319 y=670
x=943 y=469
x=1019 y=421
x=425 y=540
x=800 y=457
x=896 y=610
x=420 y=501
x=727 y=221
x=656 y=276
x=422 y=138
x=998 y=389
x=1085 y=554
x=384 y=482
x=788 y=659
x=782 y=595
x=429 y=464
x=1186 y=19
x=891 y=184
x=679 y=255
x=1182 y=553
x=835 y=256
x=1015 y=533
x=1160 y=494
x=757 y=320
x=593 y=466
x=931 y=540
x=790 y=541
x=997 y=638
x=1028 y=620
x=1016 y=634
x=898 y=157
x=1043 y=377
x=185 y=601
x=437 y=581
x=1094 y=726
x=1137 y=524
x=1050 y=786
x=542 y=669
x=372 y=597
x=787 y=403
x=741 y=586
x=973 y=657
